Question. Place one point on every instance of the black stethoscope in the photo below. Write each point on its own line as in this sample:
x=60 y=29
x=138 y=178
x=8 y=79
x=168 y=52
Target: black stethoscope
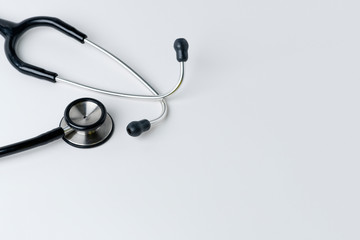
x=96 y=127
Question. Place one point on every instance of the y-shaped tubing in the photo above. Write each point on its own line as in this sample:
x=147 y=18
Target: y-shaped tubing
x=13 y=31
x=155 y=96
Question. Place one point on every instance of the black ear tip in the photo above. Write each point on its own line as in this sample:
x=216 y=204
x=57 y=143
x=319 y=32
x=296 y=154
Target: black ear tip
x=136 y=128
x=180 y=44
x=181 y=47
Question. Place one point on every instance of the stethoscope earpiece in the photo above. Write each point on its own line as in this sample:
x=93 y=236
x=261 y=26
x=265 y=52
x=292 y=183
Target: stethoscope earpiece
x=181 y=47
x=136 y=128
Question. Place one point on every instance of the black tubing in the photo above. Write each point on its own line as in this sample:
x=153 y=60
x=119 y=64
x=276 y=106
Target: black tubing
x=13 y=31
x=32 y=142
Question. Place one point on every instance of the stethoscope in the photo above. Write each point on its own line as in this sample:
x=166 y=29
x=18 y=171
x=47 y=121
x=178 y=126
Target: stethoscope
x=12 y=33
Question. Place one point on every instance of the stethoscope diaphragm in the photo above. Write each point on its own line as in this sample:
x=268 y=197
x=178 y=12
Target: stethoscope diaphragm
x=86 y=123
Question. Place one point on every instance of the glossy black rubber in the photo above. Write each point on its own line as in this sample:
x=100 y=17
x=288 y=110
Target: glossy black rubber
x=13 y=31
x=136 y=128
x=32 y=143
x=181 y=47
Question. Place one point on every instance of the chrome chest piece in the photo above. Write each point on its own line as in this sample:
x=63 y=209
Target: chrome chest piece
x=86 y=123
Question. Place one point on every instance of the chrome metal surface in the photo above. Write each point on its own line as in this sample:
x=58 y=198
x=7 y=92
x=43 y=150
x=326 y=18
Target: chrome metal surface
x=88 y=139
x=67 y=130
x=125 y=95
x=85 y=113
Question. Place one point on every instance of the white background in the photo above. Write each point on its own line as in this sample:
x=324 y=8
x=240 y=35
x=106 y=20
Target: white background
x=261 y=142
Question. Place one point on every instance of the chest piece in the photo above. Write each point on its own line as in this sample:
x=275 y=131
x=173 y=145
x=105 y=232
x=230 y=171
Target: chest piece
x=86 y=123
